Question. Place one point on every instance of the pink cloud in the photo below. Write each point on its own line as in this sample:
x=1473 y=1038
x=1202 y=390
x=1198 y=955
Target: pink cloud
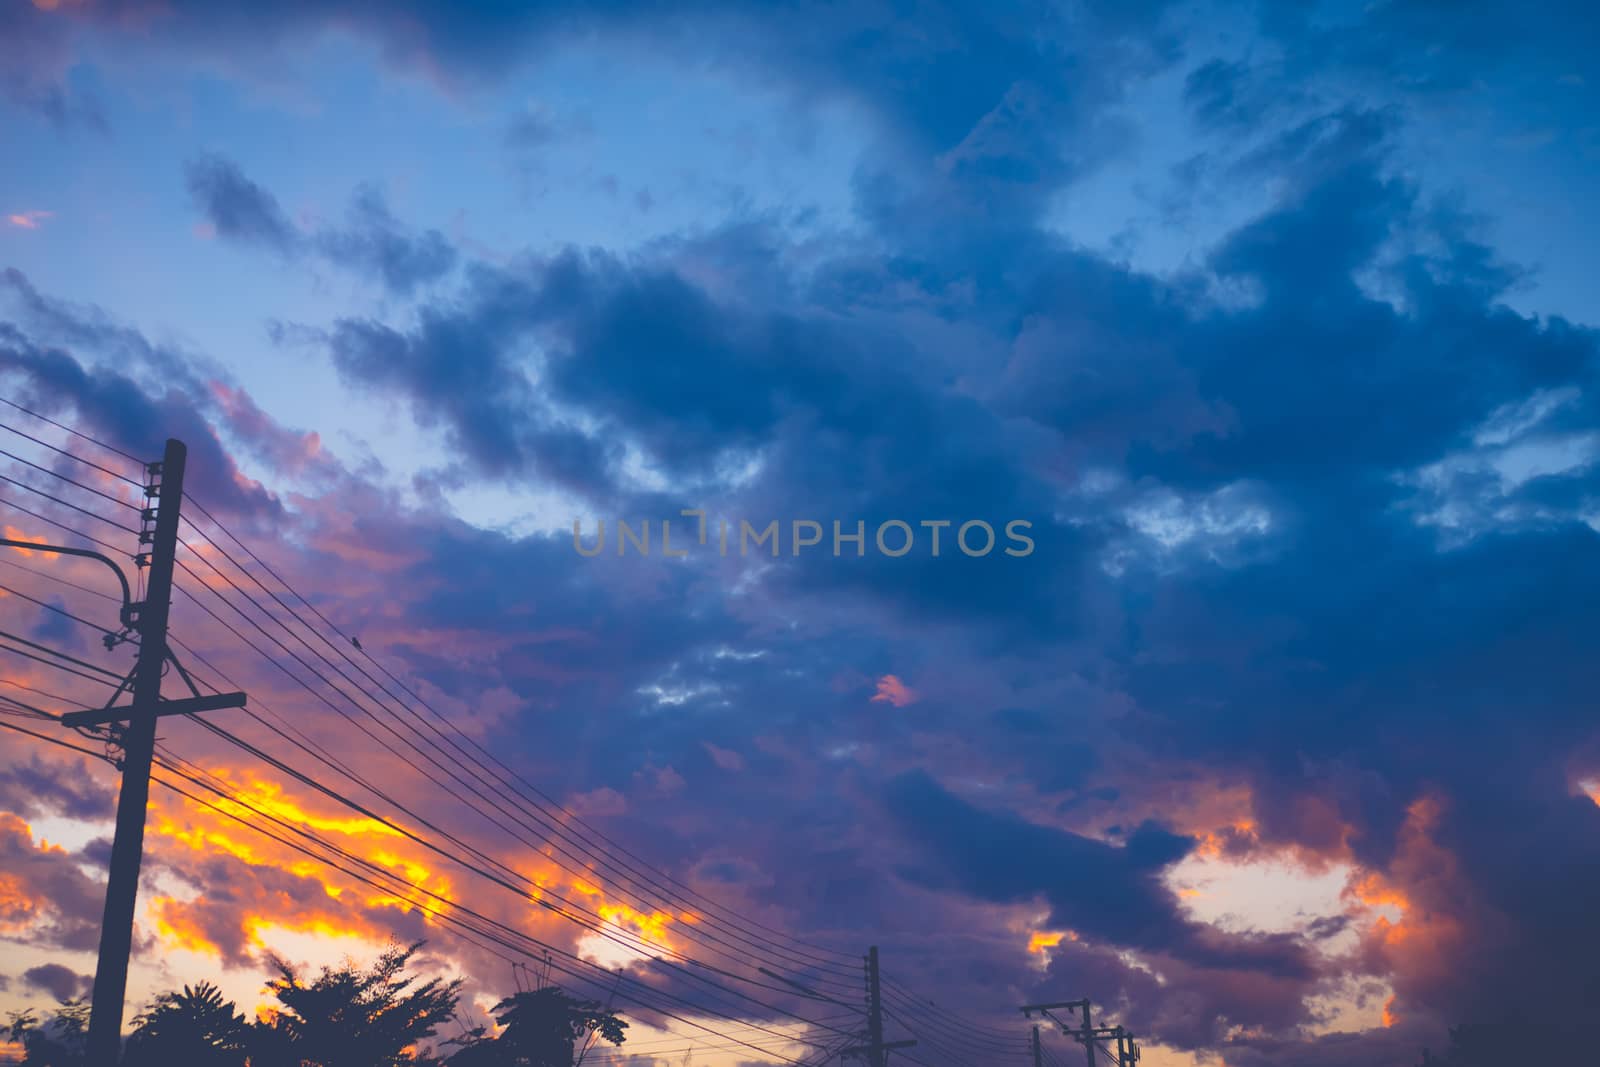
x=891 y=690
x=28 y=220
x=727 y=759
x=602 y=801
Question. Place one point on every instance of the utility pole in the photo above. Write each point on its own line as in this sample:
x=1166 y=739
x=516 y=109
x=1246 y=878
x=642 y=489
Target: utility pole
x=1087 y=1032
x=876 y=1049
x=875 y=1055
x=1127 y=1048
x=149 y=618
x=1038 y=1053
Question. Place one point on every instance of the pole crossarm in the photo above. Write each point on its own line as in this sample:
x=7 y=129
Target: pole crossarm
x=1028 y=1009
x=126 y=712
x=856 y=1050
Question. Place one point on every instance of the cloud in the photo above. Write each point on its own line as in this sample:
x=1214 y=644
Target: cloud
x=1246 y=592
x=115 y=402
x=60 y=982
x=29 y=220
x=45 y=898
x=53 y=787
x=891 y=690
x=1280 y=613
x=237 y=208
x=724 y=758
x=375 y=244
x=1104 y=892
x=372 y=243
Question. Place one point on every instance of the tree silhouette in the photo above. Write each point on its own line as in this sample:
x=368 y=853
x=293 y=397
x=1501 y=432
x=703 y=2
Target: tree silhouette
x=56 y=1043
x=349 y=1017
x=195 y=1027
x=541 y=1028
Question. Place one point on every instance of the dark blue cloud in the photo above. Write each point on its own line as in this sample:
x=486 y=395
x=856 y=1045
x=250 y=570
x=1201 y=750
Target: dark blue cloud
x=57 y=628
x=371 y=243
x=1285 y=540
x=118 y=407
x=1105 y=892
x=374 y=243
x=237 y=207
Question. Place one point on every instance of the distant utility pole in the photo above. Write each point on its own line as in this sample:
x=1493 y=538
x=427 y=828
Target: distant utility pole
x=1038 y=1053
x=149 y=618
x=1087 y=1032
x=876 y=1049
x=875 y=1056
x=1127 y=1048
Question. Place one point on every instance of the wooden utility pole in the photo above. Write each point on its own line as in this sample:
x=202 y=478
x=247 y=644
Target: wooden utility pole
x=876 y=1050
x=149 y=618
x=1038 y=1053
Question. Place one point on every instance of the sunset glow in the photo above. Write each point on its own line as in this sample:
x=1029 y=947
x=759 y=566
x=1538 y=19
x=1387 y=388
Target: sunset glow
x=798 y=533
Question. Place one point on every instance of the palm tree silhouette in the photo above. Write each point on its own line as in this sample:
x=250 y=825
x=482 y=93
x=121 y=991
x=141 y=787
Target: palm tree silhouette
x=195 y=1026
x=350 y=1017
x=541 y=1028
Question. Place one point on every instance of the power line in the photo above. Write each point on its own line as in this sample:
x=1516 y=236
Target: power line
x=554 y=824
x=550 y=824
x=61 y=655
x=476 y=934
x=912 y=1002
x=448 y=767
x=76 y=433
x=63 y=526
x=60 y=580
x=58 y=610
x=491 y=929
x=69 y=481
x=636 y=945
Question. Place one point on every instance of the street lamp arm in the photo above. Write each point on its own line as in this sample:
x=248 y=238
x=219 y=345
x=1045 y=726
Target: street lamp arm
x=127 y=591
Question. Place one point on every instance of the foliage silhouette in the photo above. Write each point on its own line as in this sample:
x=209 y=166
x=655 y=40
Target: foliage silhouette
x=58 y=1042
x=541 y=1028
x=347 y=1016
x=195 y=1026
x=350 y=1017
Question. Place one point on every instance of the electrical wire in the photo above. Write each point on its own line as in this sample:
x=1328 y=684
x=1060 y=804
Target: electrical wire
x=556 y=824
x=740 y=927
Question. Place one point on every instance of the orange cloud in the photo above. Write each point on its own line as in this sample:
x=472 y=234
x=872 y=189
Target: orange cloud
x=891 y=690
x=1389 y=1016
x=1040 y=940
x=44 y=896
x=17 y=908
x=14 y=534
x=1241 y=836
x=287 y=890
x=650 y=926
x=1416 y=908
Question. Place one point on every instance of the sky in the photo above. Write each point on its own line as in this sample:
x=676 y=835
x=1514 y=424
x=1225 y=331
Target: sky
x=1272 y=325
